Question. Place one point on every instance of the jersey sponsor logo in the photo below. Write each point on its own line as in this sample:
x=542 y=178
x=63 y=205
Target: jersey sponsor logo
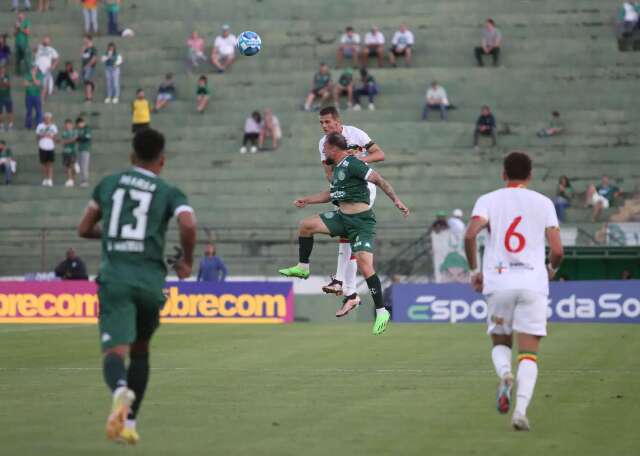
x=329 y=215
x=341 y=175
x=581 y=302
x=186 y=302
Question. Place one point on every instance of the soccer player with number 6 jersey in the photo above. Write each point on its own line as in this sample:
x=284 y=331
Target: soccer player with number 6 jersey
x=514 y=277
x=135 y=207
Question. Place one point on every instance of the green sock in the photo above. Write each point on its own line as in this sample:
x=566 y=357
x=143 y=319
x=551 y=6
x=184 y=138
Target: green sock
x=375 y=288
x=137 y=378
x=114 y=371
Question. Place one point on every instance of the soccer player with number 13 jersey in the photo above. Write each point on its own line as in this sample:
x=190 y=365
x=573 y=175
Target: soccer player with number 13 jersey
x=514 y=278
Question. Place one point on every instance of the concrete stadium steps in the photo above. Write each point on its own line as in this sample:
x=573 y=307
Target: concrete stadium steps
x=557 y=55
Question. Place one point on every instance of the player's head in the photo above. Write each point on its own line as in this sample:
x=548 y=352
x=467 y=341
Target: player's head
x=330 y=121
x=517 y=167
x=148 y=149
x=335 y=148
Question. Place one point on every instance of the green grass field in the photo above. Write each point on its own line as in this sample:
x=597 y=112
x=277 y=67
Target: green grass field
x=322 y=389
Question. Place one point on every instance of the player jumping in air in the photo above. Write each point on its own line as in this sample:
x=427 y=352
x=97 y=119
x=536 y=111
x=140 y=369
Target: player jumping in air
x=361 y=145
x=135 y=207
x=354 y=219
x=514 y=278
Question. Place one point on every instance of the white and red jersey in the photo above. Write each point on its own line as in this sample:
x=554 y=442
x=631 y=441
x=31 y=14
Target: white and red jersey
x=514 y=257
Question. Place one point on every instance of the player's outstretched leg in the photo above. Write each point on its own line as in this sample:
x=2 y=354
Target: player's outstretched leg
x=347 y=267
x=501 y=357
x=308 y=227
x=526 y=379
x=365 y=263
x=115 y=377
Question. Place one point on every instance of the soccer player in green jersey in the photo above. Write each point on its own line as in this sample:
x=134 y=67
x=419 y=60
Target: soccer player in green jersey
x=135 y=207
x=353 y=220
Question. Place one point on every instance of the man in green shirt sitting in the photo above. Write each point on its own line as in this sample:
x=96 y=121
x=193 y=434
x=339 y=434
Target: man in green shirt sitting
x=321 y=86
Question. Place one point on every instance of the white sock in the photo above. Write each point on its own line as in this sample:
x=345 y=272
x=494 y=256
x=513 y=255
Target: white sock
x=526 y=382
x=342 y=263
x=350 y=280
x=304 y=266
x=131 y=424
x=381 y=311
x=501 y=356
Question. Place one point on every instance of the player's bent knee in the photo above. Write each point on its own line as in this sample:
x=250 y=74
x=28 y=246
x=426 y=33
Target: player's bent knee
x=120 y=350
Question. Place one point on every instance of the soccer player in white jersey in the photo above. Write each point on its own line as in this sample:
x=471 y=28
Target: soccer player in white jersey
x=514 y=277
x=344 y=282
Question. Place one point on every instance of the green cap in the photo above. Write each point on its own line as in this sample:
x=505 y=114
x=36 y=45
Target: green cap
x=441 y=214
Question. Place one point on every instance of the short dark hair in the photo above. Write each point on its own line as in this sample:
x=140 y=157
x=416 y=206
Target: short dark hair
x=337 y=140
x=517 y=166
x=490 y=21
x=138 y=91
x=79 y=119
x=68 y=121
x=555 y=114
x=203 y=78
x=148 y=145
x=330 y=111
x=349 y=29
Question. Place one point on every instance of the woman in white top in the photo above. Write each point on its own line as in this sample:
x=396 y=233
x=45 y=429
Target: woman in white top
x=270 y=127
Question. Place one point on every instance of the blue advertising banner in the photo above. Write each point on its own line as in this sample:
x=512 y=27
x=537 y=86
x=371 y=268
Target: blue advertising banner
x=579 y=302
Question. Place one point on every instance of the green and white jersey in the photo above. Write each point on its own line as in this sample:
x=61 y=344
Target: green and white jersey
x=69 y=149
x=349 y=183
x=136 y=207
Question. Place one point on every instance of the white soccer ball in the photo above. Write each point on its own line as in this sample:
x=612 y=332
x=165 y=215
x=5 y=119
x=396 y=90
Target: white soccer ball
x=249 y=43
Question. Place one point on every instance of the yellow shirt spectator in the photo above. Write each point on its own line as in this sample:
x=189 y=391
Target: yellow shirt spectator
x=141 y=112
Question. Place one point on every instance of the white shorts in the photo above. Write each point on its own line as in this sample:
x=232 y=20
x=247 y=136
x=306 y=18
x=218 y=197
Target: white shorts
x=597 y=198
x=522 y=311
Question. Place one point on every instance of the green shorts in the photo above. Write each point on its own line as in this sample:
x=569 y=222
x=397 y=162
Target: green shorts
x=359 y=228
x=127 y=313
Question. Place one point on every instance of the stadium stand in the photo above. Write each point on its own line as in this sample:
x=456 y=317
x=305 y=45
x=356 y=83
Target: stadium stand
x=557 y=55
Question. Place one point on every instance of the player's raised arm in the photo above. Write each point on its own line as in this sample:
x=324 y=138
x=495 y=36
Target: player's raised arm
x=374 y=154
x=187 y=228
x=88 y=227
x=376 y=178
x=318 y=198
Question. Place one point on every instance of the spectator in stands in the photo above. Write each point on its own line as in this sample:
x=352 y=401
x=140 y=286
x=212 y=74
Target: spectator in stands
x=252 y=126
x=89 y=62
x=485 y=126
x=212 y=268
x=112 y=61
x=562 y=200
x=344 y=86
x=166 y=92
x=628 y=17
x=202 y=94
x=321 y=87
x=90 y=13
x=440 y=223
x=7 y=162
x=224 y=50
x=601 y=197
x=6 y=103
x=72 y=267
x=5 y=51
x=113 y=8
x=43 y=5
x=401 y=45
x=349 y=46
x=140 y=113
x=436 y=99
x=196 y=49
x=556 y=127
x=373 y=46
x=69 y=139
x=490 y=45
x=367 y=87
x=67 y=78
x=456 y=222
x=33 y=83
x=47 y=59
x=22 y=32
x=270 y=128
x=15 y=4
x=47 y=134
x=83 y=132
